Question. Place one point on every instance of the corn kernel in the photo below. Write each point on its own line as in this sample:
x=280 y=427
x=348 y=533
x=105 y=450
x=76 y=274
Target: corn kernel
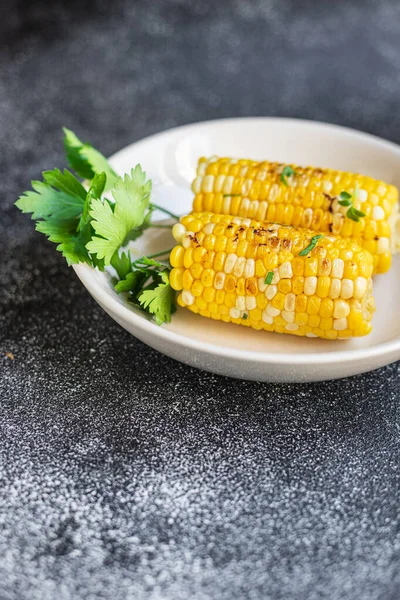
x=313 y=305
x=176 y=278
x=207 y=277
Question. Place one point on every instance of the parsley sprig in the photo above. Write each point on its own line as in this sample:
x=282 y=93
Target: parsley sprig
x=347 y=199
x=89 y=227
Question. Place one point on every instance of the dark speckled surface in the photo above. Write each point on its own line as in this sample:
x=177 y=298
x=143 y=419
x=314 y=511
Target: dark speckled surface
x=125 y=474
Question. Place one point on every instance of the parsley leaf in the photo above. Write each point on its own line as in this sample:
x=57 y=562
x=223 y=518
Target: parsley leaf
x=85 y=160
x=60 y=196
x=112 y=224
x=347 y=199
x=354 y=214
x=159 y=301
x=72 y=235
x=133 y=282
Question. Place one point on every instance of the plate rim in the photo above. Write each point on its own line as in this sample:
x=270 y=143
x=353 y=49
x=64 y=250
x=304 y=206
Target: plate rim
x=87 y=276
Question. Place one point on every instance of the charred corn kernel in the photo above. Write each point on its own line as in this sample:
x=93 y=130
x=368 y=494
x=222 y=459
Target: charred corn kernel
x=309 y=199
x=312 y=287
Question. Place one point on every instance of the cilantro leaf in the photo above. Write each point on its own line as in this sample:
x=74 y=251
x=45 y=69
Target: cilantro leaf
x=133 y=282
x=60 y=196
x=95 y=191
x=138 y=231
x=122 y=264
x=159 y=301
x=71 y=244
x=86 y=160
x=113 y=223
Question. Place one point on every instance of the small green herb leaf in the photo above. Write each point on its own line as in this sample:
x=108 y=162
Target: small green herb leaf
x=133 y=282
x=314 y=241
x=85 y=160
x=287 y=172
x=245 y=316
x=112 y=224
x=269 y=277
x=60 y=196
x=345 y=196
x=159 y=301
x=230 y=195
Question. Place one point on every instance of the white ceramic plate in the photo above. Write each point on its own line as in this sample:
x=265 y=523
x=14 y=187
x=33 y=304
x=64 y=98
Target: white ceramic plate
x=170 y=158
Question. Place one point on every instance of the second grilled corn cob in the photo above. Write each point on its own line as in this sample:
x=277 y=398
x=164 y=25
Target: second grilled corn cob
x=306 y=197
x=272 y=277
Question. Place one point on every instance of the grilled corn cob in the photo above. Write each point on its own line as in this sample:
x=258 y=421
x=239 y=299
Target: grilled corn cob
x=272 y=277
x=306 y=197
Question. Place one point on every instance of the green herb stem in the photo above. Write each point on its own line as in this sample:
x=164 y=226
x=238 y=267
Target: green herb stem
x=164 y=210
x=155 y=255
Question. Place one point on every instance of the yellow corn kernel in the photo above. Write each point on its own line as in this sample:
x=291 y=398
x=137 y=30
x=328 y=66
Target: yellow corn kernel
x=261 y=271
x=314 y=321
x=196 y=270
x=176 y=256
x=187 y=280
x=278 y=301
x=176 y=278
x=230 y=300
x=285 y=286
x=326 y=309
x=298 y=267
x=311 y=267
x=220 y=243
x=201 y=303
x=209 y=294
x=301 y=318
x=313 y=305
x=301 y=303
x=326 y=324
x=219 y=261
x=188 y=258
x=298 y=285
x=323 y=286
x=207 y=277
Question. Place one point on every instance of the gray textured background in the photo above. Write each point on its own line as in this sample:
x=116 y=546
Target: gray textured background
x=123 y=473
